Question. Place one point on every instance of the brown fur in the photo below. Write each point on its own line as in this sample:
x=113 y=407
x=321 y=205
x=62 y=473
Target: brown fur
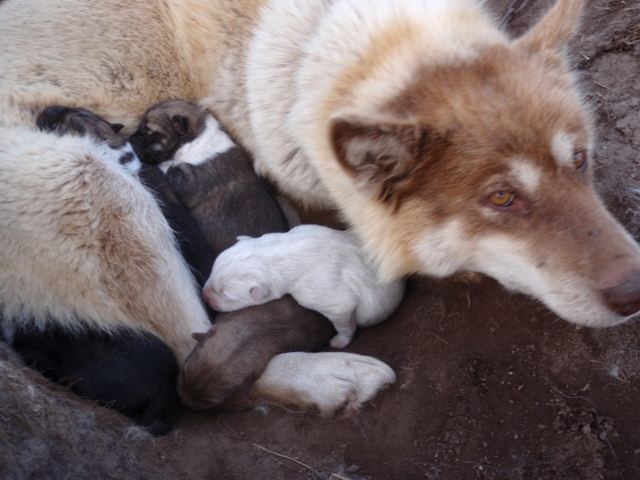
x=451 y=158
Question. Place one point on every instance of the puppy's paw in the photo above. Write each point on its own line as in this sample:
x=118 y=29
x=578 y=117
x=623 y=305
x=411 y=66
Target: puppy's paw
x=177 y=172
x=340 y=341
x=328 y=381
x=181 y=178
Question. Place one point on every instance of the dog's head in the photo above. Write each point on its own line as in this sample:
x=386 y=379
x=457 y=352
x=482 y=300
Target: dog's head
x=239 y=279
x=79 y=121
x=483 y=161
x=165 y=127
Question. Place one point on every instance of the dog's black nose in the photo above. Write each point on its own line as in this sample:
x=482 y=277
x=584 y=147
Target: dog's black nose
x=49 y=117
x=624 y=297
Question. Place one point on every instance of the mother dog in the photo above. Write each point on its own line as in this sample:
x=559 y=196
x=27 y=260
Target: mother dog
x=445 y=145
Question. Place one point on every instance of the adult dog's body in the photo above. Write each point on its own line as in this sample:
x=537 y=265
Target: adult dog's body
x=443 y=143
x=84 y=243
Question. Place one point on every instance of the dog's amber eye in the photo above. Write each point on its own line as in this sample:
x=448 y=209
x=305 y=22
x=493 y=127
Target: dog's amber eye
x=502 y=198
x=579 y=159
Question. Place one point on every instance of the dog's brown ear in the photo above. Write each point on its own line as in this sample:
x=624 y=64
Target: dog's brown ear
x=379 y=155
x=555 y=28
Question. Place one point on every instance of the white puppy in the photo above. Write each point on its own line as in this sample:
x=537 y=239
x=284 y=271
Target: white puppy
x=323 y=269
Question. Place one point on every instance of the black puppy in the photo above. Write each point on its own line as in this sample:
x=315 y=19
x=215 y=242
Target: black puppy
x=211 y=175
x=131 y=372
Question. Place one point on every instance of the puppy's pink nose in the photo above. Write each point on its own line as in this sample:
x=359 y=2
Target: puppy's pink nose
x=624 y=297
x=207 y=296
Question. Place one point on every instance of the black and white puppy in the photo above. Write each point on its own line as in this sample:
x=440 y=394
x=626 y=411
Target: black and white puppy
x=81 y=122
x=211 y=175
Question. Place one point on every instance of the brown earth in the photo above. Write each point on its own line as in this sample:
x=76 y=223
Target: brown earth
x=490 y=384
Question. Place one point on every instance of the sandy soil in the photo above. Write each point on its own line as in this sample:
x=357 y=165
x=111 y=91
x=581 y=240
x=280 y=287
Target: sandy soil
x=490 y=384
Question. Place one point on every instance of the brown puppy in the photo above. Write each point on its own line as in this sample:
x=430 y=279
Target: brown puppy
x=211 y=175
x=237 y=349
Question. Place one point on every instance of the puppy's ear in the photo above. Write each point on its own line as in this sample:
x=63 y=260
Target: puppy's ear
x=199 y=336
x=378 y=154
x=259 y=293
x=180 y=124
x=555 y=29
x=116 y=127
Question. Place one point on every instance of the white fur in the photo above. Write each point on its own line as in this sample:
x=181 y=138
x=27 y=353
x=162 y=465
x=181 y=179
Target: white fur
x=497 y=255
x=562 y=147
x=326 y=380
x=444 y=248
x=528 y=174
x=211 y=142
x=323 y=269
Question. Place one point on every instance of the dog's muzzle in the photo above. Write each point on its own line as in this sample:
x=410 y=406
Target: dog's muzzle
x=624 y=297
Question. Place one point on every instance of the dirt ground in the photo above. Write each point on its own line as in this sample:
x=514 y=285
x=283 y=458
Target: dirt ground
x=490 y=384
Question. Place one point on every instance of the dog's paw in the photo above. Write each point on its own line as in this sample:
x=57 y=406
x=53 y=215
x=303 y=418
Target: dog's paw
x=328 y=381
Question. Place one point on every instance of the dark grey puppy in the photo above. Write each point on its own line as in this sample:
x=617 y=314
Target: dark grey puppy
x=80 y=121
x=211 y=175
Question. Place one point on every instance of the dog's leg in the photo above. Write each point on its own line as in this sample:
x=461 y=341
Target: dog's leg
x=328 y=381
x=346 y=328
